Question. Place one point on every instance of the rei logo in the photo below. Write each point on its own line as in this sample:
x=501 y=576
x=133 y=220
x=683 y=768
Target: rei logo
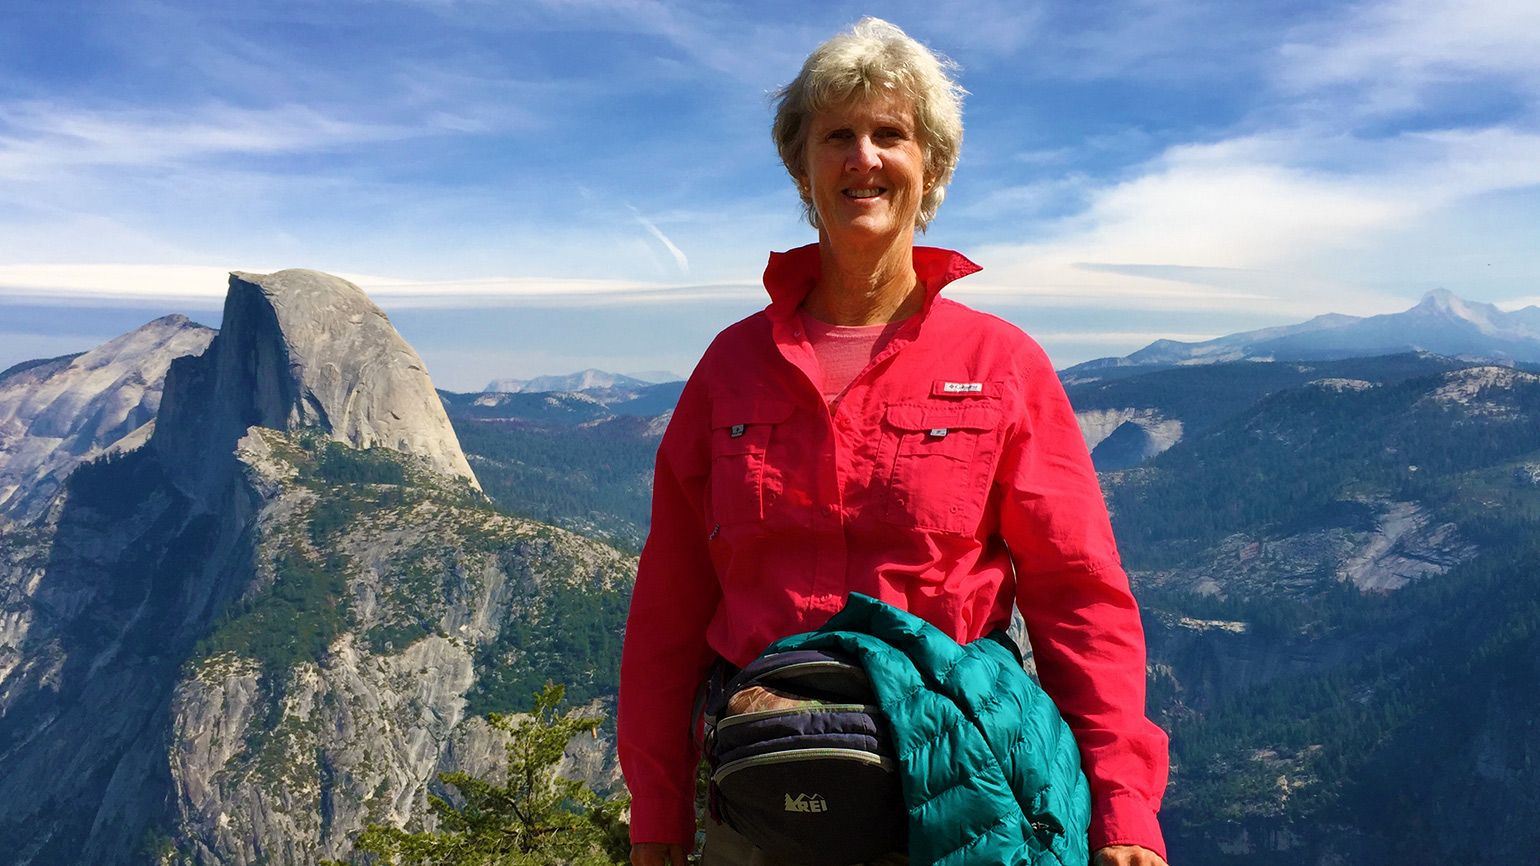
x=806 y=803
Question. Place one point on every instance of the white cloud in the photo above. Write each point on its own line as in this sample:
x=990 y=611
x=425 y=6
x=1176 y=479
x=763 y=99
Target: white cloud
x=44 y=137
x=1118 y=338
x=1070 y=286
x=187 y=283
x=1256 y=214
x=536 y=291
x=680 y=259
x=1001 y=27
x=59 y=282
x=1029 y=198
x=1388 y=55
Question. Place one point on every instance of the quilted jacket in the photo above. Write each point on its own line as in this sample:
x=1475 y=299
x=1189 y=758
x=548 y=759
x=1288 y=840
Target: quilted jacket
x=991 y=772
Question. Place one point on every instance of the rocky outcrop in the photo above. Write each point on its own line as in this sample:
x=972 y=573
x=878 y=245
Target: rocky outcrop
x=1406 y=545
x=56 y=414
x=300 y=348
x=292 y=776
x=1486 y=391
x=1373 y=544
x=1339 y=385
x=1120 y=438
x=288 y=766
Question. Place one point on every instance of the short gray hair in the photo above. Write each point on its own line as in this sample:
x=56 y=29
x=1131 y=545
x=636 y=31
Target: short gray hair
x=875 y=57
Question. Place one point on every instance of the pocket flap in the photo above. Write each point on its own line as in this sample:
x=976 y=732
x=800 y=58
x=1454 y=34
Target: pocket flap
x=733 y=411
x=959 y=416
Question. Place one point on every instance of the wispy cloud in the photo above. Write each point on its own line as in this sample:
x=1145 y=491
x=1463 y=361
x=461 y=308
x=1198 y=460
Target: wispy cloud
x=43 y=137
x=540 y=292
x=1069 y=287
x=1393 y=56
x=65 y=282
x=680 y=259
x=738 y=46
x=172 y=284
x=1241 y=215
x=1119 y=338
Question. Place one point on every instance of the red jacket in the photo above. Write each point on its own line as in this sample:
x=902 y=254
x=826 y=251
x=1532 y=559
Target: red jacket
x=951 y=481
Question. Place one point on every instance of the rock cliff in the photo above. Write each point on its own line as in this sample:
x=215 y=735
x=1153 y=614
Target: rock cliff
x=58 y=413
x=300 y=348
x=1119 y=438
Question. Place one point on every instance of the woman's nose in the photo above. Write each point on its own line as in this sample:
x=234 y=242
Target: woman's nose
x=862 y=155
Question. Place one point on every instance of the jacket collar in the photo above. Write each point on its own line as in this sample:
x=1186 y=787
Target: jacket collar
x=790 y=275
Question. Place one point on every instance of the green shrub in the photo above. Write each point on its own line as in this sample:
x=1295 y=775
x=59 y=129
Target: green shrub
x=533 y=818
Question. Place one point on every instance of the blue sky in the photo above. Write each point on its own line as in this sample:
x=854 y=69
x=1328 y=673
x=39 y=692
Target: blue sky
x=537 y=187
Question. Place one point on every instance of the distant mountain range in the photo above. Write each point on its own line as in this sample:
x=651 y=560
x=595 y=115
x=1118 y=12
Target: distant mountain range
x=1441 y=323
x=560 y=407
x=583 y=380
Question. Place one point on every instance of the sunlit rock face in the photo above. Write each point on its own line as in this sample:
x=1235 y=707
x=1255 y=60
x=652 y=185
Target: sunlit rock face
x=57 y=413
x=300 y=348
x=1120 y=438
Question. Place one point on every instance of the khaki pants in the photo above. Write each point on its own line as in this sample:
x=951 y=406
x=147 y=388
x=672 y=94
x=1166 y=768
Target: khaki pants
x=725 y=847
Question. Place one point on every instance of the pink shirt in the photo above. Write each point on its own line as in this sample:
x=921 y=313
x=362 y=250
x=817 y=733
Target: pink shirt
x=844 y=350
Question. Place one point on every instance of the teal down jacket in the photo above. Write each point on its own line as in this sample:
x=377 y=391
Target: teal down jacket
x=991 y=772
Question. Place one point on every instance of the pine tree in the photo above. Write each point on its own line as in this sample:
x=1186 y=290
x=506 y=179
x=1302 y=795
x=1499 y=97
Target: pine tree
x=534 y=818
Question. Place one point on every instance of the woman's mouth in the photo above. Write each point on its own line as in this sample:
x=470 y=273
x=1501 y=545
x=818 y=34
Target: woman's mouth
x=865 y=192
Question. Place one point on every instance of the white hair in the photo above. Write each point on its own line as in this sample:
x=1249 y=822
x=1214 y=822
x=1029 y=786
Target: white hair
x=872 y=58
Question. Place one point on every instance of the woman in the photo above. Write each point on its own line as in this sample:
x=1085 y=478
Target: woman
x=863 y=434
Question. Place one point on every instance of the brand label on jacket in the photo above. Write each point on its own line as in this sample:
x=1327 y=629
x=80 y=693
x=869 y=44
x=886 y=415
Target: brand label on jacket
x=806 y=803
x=962 y=387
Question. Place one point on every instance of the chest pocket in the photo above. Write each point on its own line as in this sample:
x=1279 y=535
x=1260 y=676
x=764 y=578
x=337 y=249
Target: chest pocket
x=742 y=430
x=939 y=458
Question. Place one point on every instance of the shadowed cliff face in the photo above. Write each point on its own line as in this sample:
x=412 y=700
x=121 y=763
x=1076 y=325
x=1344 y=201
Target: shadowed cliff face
x=102 y=602
x=301 y=348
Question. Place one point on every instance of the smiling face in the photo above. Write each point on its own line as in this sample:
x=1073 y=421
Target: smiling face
x=865 y=170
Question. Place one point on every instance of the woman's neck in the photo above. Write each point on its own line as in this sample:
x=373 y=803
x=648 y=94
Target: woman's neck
x=865 y=286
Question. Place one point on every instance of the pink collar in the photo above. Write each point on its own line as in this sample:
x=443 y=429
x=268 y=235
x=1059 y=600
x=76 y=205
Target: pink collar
x=790 y=275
